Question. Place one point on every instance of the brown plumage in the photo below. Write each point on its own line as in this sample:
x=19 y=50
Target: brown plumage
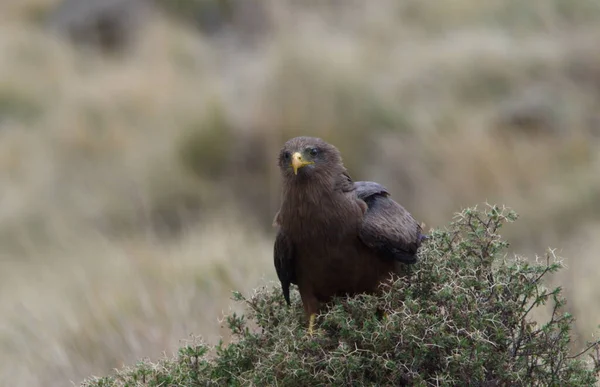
x=336 y=237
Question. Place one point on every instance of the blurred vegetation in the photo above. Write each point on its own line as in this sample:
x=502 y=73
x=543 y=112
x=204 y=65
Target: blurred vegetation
x=206 y=147
x=248 y=19
x=462 y=317
x=139 y=177
x=14 y=105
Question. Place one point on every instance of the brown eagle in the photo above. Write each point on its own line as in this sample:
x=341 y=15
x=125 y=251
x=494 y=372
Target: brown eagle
x=336 y=237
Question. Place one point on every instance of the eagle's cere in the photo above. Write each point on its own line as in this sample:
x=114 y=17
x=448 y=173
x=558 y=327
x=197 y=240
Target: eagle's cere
x=335 y=236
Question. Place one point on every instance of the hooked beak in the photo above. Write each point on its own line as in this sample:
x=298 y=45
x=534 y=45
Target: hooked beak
x=298 y=162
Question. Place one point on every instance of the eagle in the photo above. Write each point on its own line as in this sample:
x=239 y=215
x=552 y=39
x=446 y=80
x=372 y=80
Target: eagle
x=335 y=236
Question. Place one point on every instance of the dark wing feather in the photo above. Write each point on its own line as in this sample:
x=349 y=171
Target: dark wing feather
x=366 y=189
x=284 y=263
x=387 y=227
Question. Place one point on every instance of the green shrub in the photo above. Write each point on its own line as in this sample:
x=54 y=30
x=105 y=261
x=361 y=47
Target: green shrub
x=462 y=316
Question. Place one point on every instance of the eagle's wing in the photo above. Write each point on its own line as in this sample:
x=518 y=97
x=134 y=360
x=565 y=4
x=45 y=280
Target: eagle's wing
x=387 y=227
x=283 y=256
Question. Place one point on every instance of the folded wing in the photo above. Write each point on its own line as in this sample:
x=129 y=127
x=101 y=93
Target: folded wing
x=387 y=227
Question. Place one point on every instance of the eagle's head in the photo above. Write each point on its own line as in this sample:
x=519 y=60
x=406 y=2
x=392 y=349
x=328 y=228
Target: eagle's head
x=308 y=158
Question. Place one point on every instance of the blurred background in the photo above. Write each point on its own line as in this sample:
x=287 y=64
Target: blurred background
x=138 y=146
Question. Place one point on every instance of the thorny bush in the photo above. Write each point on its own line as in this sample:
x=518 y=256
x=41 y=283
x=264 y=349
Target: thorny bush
x=461 y=316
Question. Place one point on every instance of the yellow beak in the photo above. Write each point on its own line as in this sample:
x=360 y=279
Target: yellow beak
x=298 y=162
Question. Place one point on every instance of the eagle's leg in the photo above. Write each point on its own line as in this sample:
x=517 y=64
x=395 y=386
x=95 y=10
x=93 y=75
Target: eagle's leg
x=311 y=323
x=311 y=307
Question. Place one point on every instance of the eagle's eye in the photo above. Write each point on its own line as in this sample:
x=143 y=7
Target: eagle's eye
x=313 y=151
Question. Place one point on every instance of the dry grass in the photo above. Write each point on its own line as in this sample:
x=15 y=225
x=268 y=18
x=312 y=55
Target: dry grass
x=115 y=245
